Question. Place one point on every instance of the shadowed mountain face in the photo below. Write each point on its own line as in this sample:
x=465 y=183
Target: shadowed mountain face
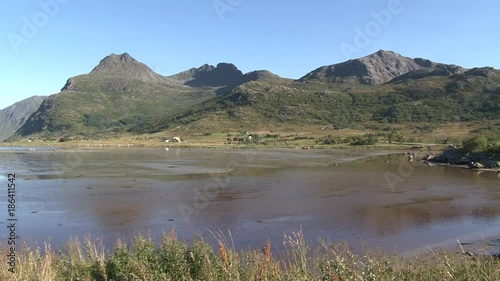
x=122 y=94
x=377 y=69
x=13 y=117
x=225 y=75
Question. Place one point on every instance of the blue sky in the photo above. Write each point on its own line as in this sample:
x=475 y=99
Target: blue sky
x=44 y=42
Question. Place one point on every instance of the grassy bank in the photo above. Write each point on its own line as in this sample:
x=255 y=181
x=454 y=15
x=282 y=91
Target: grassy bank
x=266 y=139
x=171 y=259
x=384 y=136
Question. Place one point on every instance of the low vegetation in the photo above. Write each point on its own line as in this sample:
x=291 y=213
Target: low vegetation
x=370 y=135
x=172 y=259
x=481 y=144
x=483 y=140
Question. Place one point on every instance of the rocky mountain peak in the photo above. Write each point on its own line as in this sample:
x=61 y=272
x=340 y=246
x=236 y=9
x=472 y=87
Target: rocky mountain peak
x=224 y=66
x=379 y=68
x=125 y=57
x=115 y=62
x=204 y=68
x=384 y=66
x=122 y=67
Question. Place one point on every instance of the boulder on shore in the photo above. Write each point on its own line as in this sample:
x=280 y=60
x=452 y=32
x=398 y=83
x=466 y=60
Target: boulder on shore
x=475 y=165
x=453 y=156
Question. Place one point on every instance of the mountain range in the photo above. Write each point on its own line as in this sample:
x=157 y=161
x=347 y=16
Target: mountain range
x=122 y=94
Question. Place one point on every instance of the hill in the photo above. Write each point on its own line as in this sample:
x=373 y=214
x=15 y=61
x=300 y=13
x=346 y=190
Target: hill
x=434 y=93
x=121 y=92
x=13 y=117
x=118 y=93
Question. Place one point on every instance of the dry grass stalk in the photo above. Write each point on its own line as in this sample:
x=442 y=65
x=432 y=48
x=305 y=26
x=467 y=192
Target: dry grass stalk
x=267 y=252
x=223 y=253
x=171 y=234
x=150 y=237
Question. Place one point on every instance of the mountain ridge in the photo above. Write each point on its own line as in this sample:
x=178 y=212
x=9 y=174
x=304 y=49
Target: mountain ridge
x=375 y=69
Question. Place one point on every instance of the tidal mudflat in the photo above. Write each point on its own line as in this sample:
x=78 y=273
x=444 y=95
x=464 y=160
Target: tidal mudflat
x=376 y=198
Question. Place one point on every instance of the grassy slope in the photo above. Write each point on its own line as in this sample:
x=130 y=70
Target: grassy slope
x=427 y=100
x=66 y=112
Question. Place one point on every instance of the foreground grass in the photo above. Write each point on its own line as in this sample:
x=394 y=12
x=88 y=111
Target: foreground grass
x=171 y=259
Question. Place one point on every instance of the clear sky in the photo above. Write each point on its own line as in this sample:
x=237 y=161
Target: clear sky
x=44 y=42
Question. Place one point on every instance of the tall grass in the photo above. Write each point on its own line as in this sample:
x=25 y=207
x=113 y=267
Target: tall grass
x=175 y=260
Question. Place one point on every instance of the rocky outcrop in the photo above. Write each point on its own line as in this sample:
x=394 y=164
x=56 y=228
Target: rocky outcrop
x=454 y=156
x=381 y=67
x=224 y=74
x=487 y=72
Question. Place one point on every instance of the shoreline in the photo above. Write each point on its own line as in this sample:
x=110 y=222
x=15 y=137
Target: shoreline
x=71 y=147
x=464 y=167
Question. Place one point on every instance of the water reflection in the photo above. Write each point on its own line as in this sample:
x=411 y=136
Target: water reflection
x=256 y=194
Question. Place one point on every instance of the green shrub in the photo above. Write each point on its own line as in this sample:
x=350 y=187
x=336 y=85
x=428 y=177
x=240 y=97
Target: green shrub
x=329 y=140
x=369 y=139
x=475 y=144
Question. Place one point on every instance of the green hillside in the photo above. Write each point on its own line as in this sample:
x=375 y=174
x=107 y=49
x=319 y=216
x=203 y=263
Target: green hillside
x=115 y=95
x=469 y=96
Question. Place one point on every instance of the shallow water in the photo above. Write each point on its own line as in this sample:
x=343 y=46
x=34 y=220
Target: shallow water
x=383 y=201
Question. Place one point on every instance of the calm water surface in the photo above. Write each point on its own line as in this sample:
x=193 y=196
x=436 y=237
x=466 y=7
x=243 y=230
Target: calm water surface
x=383 y=200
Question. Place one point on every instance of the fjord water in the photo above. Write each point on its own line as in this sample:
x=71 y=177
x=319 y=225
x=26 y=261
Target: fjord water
x=375 y=198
